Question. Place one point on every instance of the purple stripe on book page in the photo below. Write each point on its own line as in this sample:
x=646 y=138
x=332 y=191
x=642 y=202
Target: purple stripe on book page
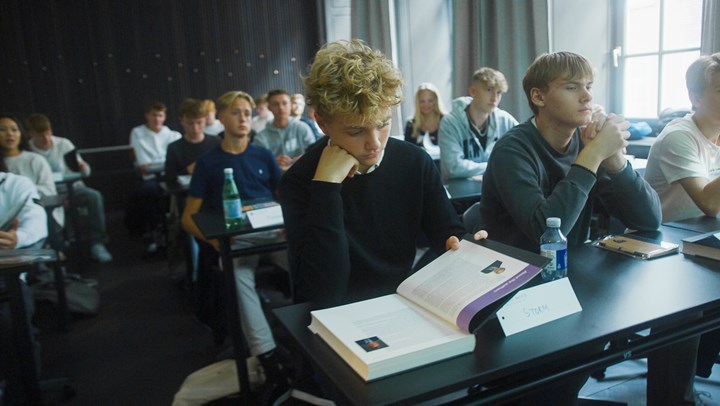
x=466 y=315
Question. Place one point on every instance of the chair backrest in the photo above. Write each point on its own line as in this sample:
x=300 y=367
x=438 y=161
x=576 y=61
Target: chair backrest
x=471 y=218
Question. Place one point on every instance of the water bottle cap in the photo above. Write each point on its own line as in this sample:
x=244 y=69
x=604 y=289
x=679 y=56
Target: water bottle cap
x=553 y=222
x=228 y=171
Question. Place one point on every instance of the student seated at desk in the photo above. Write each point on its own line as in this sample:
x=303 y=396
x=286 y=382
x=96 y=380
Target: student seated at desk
x=684 y=165
x=20 y=161
x=182 y=154
x=149 y=142
x=28 y=229
x=549 y=167
x=287 y=139
x=256 y=175
x=53 y=149
x=469 y=132
x=354 y=204
x=213 y=126
x=425 y=122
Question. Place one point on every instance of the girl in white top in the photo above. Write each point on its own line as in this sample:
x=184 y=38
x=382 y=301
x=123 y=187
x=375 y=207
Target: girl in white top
x=19 y=161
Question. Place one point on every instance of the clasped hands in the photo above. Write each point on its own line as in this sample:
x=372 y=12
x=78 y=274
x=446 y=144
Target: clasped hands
x=605 y=138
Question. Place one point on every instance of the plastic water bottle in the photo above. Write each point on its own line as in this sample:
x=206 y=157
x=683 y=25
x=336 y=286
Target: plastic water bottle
x=232 y=206
x=553 y=245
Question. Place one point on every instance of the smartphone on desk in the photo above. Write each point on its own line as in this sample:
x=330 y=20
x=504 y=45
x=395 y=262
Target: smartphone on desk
x=636 y=246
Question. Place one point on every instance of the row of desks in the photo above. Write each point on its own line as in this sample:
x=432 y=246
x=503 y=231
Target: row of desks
x=619 y=295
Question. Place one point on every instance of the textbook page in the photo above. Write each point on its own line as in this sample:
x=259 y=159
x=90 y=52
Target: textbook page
x=388 y=334
x=460 y=283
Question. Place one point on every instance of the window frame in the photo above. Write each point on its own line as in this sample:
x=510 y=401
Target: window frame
x=618 y=60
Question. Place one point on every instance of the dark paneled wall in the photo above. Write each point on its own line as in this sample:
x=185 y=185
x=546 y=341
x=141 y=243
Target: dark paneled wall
x=92 y=66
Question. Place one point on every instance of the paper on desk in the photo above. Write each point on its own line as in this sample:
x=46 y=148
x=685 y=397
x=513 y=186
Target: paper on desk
x=184 y=180
x=538 y=305
x=268 y=216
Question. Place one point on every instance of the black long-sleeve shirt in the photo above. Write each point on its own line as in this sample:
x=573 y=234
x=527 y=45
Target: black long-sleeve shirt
x=356 y=240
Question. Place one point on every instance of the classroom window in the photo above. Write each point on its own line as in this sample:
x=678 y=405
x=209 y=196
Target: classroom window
x=659 y=40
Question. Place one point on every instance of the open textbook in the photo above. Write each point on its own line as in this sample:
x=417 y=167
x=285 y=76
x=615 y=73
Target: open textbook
x=433 y=314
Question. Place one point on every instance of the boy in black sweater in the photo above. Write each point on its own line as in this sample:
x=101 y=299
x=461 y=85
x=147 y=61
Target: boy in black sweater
x=355 y=202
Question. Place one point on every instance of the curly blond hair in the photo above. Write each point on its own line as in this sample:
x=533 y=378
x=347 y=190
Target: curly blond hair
x=348 y=77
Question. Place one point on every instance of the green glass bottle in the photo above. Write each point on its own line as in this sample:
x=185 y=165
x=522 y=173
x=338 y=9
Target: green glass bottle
x=232 y=206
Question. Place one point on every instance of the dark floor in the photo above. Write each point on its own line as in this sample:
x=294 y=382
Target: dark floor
x=141 y=346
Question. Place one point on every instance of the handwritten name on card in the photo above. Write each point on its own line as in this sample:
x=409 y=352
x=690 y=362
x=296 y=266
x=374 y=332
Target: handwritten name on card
x=538 y=305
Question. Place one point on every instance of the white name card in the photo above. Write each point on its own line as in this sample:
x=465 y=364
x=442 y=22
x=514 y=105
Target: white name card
x=268 y=216
x=538 y=305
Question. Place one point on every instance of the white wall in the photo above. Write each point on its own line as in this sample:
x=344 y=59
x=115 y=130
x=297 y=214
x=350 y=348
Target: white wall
x=583 y=27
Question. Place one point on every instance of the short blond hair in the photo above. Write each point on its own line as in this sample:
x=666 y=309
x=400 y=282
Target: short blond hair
x=701 y=73
x=549 y=67
x=492 y=77
x=227 y=99
x=209 y=106
x=348 y=77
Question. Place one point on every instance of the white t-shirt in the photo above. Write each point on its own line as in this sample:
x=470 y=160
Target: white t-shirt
x=259 y=123
x=36 y=168
x=151 y=147
x=214 y=128
x=56 y=155
x=18 y=191
x=680 y=151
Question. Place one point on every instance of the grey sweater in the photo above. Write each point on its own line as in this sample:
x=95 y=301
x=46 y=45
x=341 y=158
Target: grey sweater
x=528 y=181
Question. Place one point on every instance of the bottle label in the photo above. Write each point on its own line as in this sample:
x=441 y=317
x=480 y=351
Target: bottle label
x=232 y=209
x=558 y=258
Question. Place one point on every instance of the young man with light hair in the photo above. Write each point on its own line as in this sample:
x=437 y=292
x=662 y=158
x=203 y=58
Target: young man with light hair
x=683 y=167
x=684 y=161
x=256 y=175
x=353 y=204
x=469 y=132
x=557 y=164
x=54 y=149
x=263 y=115
x=287 y=139
x=213 y=126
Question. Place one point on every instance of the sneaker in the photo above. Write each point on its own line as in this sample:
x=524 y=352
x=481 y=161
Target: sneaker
x=100 y=253
x=274 y=392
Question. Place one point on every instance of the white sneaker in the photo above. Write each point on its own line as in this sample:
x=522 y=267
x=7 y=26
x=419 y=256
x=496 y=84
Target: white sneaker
x=100 y=253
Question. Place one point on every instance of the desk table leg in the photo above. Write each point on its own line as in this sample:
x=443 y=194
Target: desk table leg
x=76 y=224
x=233 y=315
x=23 y=340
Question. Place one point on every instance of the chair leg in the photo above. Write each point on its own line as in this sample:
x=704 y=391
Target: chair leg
x=62 y=297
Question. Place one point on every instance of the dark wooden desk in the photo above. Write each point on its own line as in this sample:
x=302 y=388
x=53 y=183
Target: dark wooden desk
x=703 y=224
x=619 y=295
x=463 y=189
x=12 y=264
x=212 y=225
